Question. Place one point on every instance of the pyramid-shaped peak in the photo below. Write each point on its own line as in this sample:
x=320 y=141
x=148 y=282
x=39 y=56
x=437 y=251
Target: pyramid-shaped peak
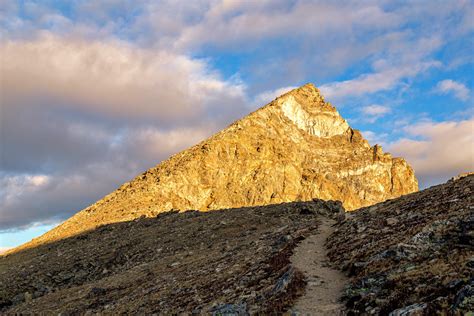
x=297 y=147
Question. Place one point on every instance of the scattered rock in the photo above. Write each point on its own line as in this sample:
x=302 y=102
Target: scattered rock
x=391 y=221
x=178 y=263
x=412 y=310
x=230 y=310
x=406 y=253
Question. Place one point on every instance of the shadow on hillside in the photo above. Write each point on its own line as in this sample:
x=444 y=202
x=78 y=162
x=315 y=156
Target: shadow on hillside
x=172 y=244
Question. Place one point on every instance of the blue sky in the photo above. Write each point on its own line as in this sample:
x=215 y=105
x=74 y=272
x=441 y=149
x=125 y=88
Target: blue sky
x=94 y=92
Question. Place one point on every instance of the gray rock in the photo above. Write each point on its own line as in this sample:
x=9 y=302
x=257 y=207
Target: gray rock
x=230 y=309
x=391 y=221
x=411 y=310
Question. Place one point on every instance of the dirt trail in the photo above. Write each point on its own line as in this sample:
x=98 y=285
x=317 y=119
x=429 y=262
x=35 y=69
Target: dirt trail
x=325 y=284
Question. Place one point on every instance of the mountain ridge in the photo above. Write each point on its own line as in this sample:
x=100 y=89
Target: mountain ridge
x=296 y=147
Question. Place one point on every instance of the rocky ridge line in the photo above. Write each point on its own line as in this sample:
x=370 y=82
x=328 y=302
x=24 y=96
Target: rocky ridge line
x=295 y=148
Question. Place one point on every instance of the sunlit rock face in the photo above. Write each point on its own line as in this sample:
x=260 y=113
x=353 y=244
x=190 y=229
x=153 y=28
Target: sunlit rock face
x=295 y=148
x=321 y=121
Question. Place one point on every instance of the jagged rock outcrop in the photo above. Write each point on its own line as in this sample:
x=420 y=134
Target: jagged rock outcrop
x=297 y=147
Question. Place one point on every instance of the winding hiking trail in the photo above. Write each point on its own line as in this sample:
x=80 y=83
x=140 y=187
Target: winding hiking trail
x=325 y=284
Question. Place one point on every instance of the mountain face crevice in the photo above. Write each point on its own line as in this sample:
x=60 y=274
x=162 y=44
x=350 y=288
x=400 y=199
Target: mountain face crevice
x=295 y=148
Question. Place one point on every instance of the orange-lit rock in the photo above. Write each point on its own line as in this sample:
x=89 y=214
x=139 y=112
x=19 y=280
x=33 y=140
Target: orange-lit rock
x=295 y=148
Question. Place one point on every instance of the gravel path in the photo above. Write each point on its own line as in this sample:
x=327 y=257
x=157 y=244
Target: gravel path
x=325 y=284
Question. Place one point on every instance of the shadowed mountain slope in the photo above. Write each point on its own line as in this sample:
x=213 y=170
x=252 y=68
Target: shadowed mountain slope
x=199 y=262
x=411 y=256
x=295 y=148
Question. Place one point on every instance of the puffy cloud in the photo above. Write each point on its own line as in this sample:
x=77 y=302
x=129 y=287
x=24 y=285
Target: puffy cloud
x=4 y=249
x=114 y=79
x=438 y=151
x=32 y=198
x=26 y=201
x=376 y=138
x=405 y=58
x=459 y=90
x=374 y=111
x=243 y=22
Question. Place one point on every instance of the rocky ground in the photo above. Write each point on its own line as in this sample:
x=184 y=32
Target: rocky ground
x=410 y=256
x=230 y=261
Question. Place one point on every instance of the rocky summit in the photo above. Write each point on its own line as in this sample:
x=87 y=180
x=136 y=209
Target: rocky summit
x=295 y=148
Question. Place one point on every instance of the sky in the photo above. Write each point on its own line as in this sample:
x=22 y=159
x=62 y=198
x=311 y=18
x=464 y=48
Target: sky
x=94 y=92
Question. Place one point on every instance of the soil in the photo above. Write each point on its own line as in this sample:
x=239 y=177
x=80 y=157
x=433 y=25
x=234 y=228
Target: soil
x=324 y=284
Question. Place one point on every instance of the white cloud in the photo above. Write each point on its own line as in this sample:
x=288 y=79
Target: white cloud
x=71 y=185
x=376 y=138
x=374 y=111
x=14 y=186
x=438 y=151
x=459 y=90
x=75 y=109
x=112 y=78
x=248 y=21
x=406 y=59
x=26 y=199
x=382 y=80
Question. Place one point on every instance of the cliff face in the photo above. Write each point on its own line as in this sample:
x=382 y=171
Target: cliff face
x=297 y=147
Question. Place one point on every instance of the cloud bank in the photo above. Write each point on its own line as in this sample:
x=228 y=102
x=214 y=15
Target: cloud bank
x=438 y=150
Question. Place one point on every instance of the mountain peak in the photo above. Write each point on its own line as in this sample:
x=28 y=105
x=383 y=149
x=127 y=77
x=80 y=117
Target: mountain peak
x=307 y=109
x=308 y=93
x=296 y=148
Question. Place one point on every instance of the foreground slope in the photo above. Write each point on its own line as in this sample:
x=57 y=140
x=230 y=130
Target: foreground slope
x=201 y=262
x=297 y=147
x=411 y=256
x=408 y=256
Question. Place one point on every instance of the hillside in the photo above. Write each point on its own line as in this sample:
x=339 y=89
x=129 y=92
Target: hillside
x=177 y=262
x=295 y=148
x=413 y=254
